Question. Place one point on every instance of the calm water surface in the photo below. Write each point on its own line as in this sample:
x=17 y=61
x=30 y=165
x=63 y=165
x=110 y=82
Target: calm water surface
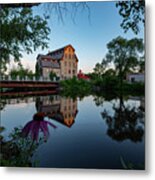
x=82 y=133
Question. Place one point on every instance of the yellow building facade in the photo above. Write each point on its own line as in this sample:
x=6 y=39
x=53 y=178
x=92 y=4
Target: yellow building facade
x=63 y=62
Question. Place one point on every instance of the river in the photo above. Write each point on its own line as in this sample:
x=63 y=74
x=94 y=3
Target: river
x=62 y=132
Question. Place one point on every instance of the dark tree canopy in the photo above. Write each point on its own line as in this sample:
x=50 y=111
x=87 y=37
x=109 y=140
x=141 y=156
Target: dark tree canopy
x=18 y=5
x=99 y=69
x=125 y=54
x=21 y=31
x=132 y=13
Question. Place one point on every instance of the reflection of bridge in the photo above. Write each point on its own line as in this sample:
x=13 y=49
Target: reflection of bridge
x=27 y=93
x=18 y=100
x=28 y=84
x=55 y=107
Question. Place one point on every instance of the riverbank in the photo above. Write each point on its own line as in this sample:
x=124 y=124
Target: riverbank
x=106 y=85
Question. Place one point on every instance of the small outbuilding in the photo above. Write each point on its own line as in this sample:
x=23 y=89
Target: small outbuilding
x=135 y=77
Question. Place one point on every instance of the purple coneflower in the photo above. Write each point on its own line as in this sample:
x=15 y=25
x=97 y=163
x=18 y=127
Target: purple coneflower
x=36 y=125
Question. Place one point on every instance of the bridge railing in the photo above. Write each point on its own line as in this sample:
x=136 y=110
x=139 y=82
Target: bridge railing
x=26 y=78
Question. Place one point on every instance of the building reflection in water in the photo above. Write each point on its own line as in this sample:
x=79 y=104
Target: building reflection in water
x=60 y=109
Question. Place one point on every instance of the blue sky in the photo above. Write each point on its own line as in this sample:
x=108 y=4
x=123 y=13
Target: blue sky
x=89 y=38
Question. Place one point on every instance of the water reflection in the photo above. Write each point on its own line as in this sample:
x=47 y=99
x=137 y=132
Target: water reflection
x=24 y=141
x=60 y=109
x=127 y=122
x=37 y=125
x=34 y=133
x=55 y=107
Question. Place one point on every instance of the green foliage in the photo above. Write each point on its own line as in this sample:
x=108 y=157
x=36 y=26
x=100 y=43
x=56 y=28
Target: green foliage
x=132 y=13
x=125 y=54
x=52 y=76
x=110 y=72
x=75 y=87
x=99 y=69
x=37 y=71
x=14 y=74
x=106 y=83
x=137 y=88
x=109 y=85
x=21 y=73
x=17 y=151
x=142 y=66
x=21 y=31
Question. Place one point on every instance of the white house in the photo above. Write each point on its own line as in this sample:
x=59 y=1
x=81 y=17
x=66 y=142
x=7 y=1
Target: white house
x=135 y=77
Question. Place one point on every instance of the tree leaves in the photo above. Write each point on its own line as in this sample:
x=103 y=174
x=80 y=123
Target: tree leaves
x=21 y=31
x=125 y=54
x=132 y=13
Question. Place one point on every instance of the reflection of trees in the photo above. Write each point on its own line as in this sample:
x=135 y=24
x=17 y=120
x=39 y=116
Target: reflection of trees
x=99 y=100
x=2 y=104
x=101 y=97
x=126 y=123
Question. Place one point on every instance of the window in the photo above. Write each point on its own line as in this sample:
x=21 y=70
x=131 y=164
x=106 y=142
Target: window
x=74 y=64
x=66 y=56
x=69 y=71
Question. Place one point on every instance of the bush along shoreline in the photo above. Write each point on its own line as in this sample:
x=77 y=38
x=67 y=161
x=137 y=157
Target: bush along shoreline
x=80 y=87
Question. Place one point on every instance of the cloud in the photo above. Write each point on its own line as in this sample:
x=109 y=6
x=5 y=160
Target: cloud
x=27 y=63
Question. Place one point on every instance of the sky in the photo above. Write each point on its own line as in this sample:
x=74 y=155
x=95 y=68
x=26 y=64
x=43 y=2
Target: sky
x=88 y=36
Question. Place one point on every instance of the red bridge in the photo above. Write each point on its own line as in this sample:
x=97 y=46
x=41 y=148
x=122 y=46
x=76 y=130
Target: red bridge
x=28 y=84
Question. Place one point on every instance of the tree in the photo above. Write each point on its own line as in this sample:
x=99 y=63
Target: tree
x=52 y=75
x=21 y=31
x=110 y=72
x=125 y=54
x=14 y=73
x=132 y=13
x=98 y=69
x=21 y=72
x=37 y=71
x=142 y=65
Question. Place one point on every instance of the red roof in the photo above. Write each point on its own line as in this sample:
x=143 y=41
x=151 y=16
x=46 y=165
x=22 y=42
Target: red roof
x=81 y=75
